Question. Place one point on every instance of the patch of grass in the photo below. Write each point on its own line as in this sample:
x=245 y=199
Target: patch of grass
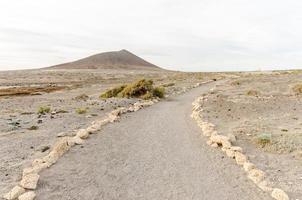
x=81 y=110
x=82 y=97
x=264 y=138
x=159 y=92
x=43 y=110
x=140 y=89
x=252 y=93
x=113 y=92
x=297 y=89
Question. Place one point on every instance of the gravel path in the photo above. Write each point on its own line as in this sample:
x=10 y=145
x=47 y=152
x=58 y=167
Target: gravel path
x=156 y=153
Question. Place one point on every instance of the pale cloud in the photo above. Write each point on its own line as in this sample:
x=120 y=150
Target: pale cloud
x=193 y=35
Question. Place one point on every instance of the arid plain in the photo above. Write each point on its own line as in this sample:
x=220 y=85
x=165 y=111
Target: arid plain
x=261 y=111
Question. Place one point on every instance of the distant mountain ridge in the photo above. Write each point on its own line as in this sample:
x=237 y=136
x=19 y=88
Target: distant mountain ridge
x=122 y=59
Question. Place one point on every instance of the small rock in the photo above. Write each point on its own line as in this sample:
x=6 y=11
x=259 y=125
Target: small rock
x=14 y=193
x=230 y=153
x=77 y=140
x=215 y=145
x=28 y=196
x=30 y=181
x=209 y=142
x=240 y=158
x=256 y=175
x=263 y=185
x=89 y=116
x=51 y=158
x=235 y=148
x=92 y=129
x=83 y=133
x=44 y=148
x=32 y=128
x=247 y=166
x=35 y=169
x=61 y=146
x=39 y=121
x=221 y=140
x=279 y=194
x=61 y=134
x=232 y=138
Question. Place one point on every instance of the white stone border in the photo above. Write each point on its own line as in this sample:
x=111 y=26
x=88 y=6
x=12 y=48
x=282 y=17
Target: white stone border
x=225 y=144
x=30 y=177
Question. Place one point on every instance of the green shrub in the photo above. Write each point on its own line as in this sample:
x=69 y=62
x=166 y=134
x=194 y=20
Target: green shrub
x=140 y=89
x=113 y=92
x=137 y=89
x=264 y=138
x=81 y=110
x=159 y=92
x=43 y=110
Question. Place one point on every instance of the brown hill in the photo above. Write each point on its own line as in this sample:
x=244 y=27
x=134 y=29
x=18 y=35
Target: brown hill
x=122 y=59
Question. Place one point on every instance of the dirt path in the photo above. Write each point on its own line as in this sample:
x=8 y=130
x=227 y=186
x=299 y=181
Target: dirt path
x=156 y=153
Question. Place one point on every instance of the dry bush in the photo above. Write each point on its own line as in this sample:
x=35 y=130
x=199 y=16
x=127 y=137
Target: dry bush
x=137 y=89
x=113 y=92
x=81 y=110
x=43 y=110
x=140 y=89
x=297 y=89
x=82 y=97
x=159 y=92
x=252 y=93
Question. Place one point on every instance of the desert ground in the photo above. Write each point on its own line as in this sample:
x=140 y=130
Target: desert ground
x=263 y=112
x=159 y=151
x=25 y=134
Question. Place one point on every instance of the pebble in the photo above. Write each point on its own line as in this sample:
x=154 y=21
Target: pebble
x=31 y=195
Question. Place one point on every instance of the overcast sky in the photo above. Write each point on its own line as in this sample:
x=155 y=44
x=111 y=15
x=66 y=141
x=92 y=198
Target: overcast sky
x=190 y=35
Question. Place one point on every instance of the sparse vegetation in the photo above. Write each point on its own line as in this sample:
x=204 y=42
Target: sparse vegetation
x=298 y=89
x=140 y=89
x=81 y=110
x=159 y=92
x=252 y=93
x=113 y=92
x=147 y=96
x=43 y=110
x=82 y=97
x=264 y=139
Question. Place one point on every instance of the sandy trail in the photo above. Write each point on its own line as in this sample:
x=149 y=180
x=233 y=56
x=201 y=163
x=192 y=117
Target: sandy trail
x=156 y=153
